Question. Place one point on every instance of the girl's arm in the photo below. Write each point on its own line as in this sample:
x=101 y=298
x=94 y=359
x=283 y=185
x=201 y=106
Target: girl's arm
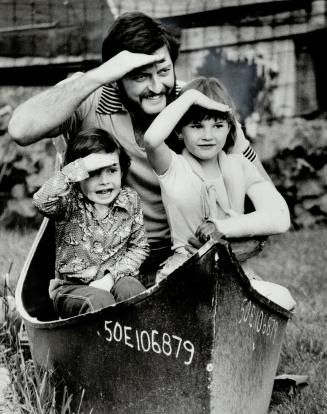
x=163 y=125
x=271 y=216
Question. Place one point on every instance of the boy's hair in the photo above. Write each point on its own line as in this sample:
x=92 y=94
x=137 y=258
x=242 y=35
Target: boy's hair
x=138 y=33
x=95 y=140
x=214 y=89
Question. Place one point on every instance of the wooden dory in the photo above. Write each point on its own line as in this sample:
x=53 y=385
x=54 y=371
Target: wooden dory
x=202 y=341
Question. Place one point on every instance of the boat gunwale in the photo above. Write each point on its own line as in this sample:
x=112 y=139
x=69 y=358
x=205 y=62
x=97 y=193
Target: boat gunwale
x=210 y=244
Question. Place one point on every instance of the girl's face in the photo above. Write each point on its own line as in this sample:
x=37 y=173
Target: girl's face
x=205 y=139
x=104 y=184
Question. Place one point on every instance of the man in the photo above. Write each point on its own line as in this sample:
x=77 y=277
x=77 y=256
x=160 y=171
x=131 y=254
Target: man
x=133 y=84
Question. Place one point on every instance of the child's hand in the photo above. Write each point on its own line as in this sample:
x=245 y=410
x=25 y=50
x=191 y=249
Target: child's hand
x=194 y=245
x=96 y=161
x=204 y=231
x=106 y=283
x=198 y=98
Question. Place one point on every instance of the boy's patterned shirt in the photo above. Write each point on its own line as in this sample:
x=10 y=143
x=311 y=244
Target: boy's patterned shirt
x=88 y=247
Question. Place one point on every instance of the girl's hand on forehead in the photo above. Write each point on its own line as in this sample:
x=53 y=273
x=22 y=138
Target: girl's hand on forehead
x=96 y=161
x=198 y=98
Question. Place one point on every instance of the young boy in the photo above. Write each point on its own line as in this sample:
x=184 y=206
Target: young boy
x=100 y=236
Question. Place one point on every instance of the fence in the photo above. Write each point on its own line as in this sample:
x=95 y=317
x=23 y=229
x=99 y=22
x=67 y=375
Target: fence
x=266 y=52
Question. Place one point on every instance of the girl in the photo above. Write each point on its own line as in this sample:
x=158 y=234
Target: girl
x=203 y=189
x=100 y=237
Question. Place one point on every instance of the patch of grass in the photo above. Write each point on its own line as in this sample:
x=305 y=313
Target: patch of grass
x=33 y=391
x=298 y=261
x=14 y=247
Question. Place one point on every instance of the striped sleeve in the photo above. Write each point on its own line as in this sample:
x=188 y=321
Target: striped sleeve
x=249 y=153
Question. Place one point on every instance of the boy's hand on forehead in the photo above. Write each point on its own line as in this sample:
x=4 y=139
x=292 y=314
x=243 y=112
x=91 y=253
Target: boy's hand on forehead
x=121 y=64
x=197 y=98
x=96 y=161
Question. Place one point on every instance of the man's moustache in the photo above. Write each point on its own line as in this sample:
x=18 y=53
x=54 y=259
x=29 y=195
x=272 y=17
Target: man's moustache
x=152 y=95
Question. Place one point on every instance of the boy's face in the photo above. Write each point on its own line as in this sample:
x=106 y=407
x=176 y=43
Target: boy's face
x=149 y=87
x=103 y=185
x=205 y=139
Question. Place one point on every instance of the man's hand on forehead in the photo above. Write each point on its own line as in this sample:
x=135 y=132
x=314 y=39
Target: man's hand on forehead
x=142 y=68
x=121 y=64
x=141 y=60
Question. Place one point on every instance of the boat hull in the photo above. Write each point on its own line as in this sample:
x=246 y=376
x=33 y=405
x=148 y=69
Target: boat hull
x=202 y=341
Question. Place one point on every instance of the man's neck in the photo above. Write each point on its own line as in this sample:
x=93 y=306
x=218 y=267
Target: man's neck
x=141 y=123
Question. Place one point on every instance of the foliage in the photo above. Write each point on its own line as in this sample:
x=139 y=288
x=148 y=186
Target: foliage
x=23 y=171
x=294 y=152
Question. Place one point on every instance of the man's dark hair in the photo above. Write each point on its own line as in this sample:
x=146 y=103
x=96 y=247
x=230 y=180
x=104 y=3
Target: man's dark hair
x=95 y=140
x=138 y=33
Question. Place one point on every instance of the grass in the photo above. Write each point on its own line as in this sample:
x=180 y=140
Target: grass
x=14 y=247
x=297 y=260
x=32 y=392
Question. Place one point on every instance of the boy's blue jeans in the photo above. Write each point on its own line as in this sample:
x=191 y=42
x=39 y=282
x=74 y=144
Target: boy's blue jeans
x=72 y=299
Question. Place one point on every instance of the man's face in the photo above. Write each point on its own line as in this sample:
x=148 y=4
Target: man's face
x=149 y=87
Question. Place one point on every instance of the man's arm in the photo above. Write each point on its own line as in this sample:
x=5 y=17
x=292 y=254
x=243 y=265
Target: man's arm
x=42 y=115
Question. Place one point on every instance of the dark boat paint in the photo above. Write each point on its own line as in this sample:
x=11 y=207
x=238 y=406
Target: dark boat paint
x=202 y=341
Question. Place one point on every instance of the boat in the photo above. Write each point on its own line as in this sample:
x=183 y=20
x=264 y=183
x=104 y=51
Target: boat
x=201 y=341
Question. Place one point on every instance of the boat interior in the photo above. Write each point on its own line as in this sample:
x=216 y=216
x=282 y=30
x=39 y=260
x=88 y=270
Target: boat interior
x=39 y=269
x=40 y=265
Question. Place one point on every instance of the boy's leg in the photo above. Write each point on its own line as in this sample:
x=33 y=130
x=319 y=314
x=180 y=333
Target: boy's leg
x=126 y=287
x=72 y=300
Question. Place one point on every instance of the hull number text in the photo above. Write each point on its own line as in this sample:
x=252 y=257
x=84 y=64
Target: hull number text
x=150 y=341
